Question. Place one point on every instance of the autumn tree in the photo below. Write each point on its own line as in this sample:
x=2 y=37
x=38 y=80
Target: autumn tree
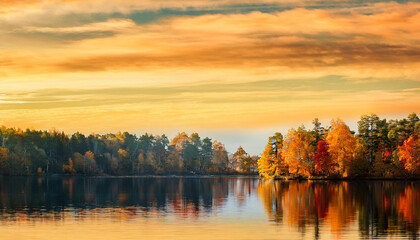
x=32 y=152
x=69 y=168
x=179 y=140
x=298 y=152
x=90 y=163
x=271 y=164
x=266 y=163
x=341 y=144
x=409 y=154
x=174 y=162
x=238 y=158
x=247 y=164
x=322 y=158
x=79 y=162
x=220 y=159
x=400 y=130
x=276 y=142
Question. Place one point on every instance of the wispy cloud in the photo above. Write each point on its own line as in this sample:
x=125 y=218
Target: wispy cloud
x=116 y=25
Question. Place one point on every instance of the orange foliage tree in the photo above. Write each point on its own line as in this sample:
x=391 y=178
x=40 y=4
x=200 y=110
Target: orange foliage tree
x=342 y=144
x=409 y=154
x=298 y=152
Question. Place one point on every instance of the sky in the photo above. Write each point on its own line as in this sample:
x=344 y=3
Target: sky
x=236 y=71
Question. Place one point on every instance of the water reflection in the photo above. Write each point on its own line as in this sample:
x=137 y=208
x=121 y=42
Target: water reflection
x=314 y=209
x=380 y=207
x=25 y=197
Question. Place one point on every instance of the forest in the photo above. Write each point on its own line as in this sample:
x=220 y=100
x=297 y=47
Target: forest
x=380 y=148
x=32 y=152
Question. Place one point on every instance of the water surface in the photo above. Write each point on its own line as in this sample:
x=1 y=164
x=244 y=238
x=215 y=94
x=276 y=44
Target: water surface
x=206 y=208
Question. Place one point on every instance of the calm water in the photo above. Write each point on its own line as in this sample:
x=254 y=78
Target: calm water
x=206 y=208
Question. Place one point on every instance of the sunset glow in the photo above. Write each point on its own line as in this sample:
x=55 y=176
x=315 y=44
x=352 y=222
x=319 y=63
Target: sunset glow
x=194 y=65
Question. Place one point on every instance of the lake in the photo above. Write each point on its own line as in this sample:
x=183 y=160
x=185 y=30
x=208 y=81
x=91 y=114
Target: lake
x=206 y=208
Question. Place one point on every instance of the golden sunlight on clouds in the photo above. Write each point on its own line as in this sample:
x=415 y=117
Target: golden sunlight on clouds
x=203 y=69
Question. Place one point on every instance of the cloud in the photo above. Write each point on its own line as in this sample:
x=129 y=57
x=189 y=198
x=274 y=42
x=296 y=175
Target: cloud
x=298 y=40
x=263 y=92
x=132 y=5
x=114 y=25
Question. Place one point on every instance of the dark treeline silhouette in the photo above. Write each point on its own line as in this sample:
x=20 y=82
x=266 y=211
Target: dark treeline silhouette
x=381 y=148
x=32 y=152
x=38 y=152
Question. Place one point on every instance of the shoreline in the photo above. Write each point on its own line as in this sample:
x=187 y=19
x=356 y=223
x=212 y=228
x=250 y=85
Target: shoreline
x=141 y=176
x=236 y=175
x=348 y=179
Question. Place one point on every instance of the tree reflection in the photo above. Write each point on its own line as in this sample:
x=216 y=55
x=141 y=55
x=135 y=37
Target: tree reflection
x=381 y=207
x=23 y=197
x=317 y=208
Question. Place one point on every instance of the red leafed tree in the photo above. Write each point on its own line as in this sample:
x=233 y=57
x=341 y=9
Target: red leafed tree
x=409 y=154
x=323 y=163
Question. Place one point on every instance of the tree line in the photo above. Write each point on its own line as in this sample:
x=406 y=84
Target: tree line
x=380 y=148
x=52 y=152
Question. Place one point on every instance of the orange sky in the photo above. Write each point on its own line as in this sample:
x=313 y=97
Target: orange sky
x=208 y=66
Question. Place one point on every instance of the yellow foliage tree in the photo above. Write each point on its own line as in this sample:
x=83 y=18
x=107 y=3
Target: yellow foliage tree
x=298 y=152
x=265 y=163
x=272 y=164
x=179 y=140
x=342 y=145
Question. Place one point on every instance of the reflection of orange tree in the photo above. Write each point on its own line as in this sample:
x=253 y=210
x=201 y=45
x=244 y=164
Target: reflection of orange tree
x=291 y=201
x=408 y=205
x=306 y=203
x=322 y=196
x=68 y=184
x=341 y=208
x=382 y=207
x=299 y=205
